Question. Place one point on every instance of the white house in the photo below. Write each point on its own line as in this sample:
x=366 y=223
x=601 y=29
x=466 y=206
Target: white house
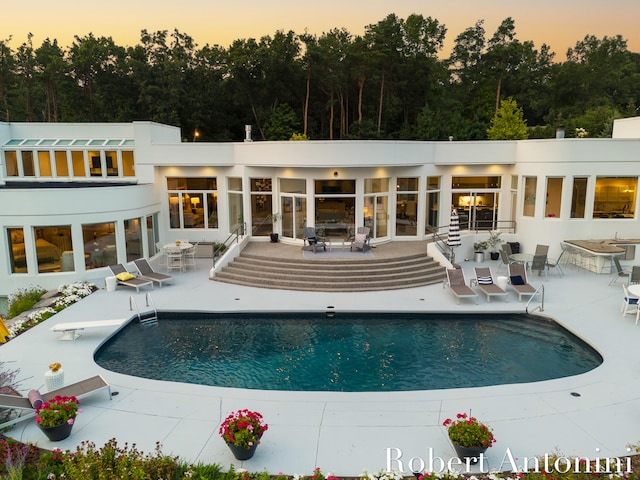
x=75 y=198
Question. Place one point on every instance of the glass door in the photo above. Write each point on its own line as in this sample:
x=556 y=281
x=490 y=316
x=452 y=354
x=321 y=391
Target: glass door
x=376 y=215
x=294 y=209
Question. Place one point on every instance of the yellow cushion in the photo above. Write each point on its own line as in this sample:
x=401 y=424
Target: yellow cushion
x=124 y=276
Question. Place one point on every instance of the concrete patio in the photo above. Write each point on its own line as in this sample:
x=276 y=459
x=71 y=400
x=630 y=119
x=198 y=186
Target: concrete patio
x=346 y=433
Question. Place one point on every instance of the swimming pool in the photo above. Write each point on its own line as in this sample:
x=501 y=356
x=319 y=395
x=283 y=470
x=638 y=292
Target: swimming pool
x=356 y=352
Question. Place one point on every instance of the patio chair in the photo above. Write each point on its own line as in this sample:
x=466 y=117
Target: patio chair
x=635 y=275
x=458 y=285
x=190 y=256
x=175 y=259
x=146 y=271
x=124 y=277
x=629 y=302
x=507 y=249
x=504 y=256
x=312 y=241
x=620 y=272
x=518 y=281
x=555 y=264
x=485 y=282
x=25 y=409
x=361 y=239
x=539 y=264
x=542 y=249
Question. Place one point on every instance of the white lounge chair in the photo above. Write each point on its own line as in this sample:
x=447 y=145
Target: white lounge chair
x=146 y=271
x=458 y=285
x=80 y=390
x=485 y=282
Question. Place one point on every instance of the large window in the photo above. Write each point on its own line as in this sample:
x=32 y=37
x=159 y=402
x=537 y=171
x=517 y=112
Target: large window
x=554 y=197
x=578 y=197
x=376 y=206
x=407 y=206
x=615 y=197
x=193 y=202
x=476 y=200
x=54 y=252
x=133 y=237
x=17 y=251
x=236 y=217
x=530 y=186
x=335 y=207
x=433 y=202
x=99 y=245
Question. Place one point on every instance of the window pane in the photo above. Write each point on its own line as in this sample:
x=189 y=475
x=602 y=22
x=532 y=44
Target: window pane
x=95 y=164
x=407 y=184
x=260 y=184
x=406 y=214
x=111 y=160
x=17 y=253
x=193 y=210
x=174 y=210
x=235 y=183
x=376 y=185
x=53 y=249
x=554 y=197
x=236 y=217
x=27 y=164
x=212 y=210
x=11 y=162
x=44 y=164
x=335 y=186
x=615 y=197
x=128 y=167
x=433 y=199
x=77 y=160
x=475 y=182
x=62 y=167
x=293 y=185
x=99 y=245
x=433 y=183
x=579 y=198
x=133 y=236
x=530 y=185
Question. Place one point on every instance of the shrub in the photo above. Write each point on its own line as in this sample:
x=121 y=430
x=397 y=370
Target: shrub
x=23 y=300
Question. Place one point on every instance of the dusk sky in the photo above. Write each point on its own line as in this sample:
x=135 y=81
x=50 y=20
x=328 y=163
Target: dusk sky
x=559 y=24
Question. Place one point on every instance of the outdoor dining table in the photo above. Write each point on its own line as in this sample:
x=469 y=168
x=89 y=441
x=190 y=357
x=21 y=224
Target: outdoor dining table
x=182 y=246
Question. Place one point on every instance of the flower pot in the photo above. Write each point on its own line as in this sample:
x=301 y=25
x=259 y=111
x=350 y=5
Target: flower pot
x=274 y=238
x=57 y=432
x=472 y=453
x=242 y=453
x=478 y=257
x=495 y=255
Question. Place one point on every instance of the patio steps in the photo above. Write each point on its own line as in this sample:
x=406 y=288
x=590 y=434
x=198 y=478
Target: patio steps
x=345 y=275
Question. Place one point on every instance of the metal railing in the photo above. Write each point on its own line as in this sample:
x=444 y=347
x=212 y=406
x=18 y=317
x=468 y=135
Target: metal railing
x=234 y=237
x=146 y=320
x=540 y=307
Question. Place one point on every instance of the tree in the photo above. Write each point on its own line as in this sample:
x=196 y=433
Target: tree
x=508 y=123
x=282 y=123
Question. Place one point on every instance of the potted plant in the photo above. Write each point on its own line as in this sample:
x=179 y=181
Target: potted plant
x=273 y=218
x=469 y=437
x=478 y=249
x=242 y=430
x=56 y=417
x=493 y=241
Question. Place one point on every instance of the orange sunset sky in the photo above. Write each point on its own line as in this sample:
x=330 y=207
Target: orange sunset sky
x=559 y=24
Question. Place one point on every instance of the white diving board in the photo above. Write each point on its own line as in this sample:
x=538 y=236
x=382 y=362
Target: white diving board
x=71 y=331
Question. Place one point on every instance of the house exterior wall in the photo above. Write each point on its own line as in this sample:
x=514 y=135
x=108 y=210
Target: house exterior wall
x=160 y=154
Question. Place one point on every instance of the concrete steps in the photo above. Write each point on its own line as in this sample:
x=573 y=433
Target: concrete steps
x=332 y=275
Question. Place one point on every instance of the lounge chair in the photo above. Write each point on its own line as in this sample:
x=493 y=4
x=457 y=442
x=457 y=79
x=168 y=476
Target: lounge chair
x=485 y=282
x=81 y=389
x=360 y=240
x=312 y=241
x=458 y=285
x=146 y=271
x=128 y=279
x=518 y=281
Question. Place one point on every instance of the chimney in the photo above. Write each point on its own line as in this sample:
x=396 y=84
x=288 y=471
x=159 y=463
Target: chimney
x=247 y=133
x=560 y=131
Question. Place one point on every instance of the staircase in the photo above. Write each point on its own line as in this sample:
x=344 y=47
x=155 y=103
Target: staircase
x=330 y=275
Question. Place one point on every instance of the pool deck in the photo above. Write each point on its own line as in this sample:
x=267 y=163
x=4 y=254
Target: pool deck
x=347 y=433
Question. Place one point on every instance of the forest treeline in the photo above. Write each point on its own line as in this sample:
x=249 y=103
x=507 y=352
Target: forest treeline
x=389 y=83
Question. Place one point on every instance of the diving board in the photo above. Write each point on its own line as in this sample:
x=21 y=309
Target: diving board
x=71 y=331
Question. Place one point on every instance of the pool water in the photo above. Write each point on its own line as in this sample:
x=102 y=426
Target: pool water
x=354 y=352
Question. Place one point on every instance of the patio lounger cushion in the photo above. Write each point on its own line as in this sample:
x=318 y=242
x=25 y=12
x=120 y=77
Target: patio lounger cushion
x=485 y=281
x=517 y=280
x=124 y=276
